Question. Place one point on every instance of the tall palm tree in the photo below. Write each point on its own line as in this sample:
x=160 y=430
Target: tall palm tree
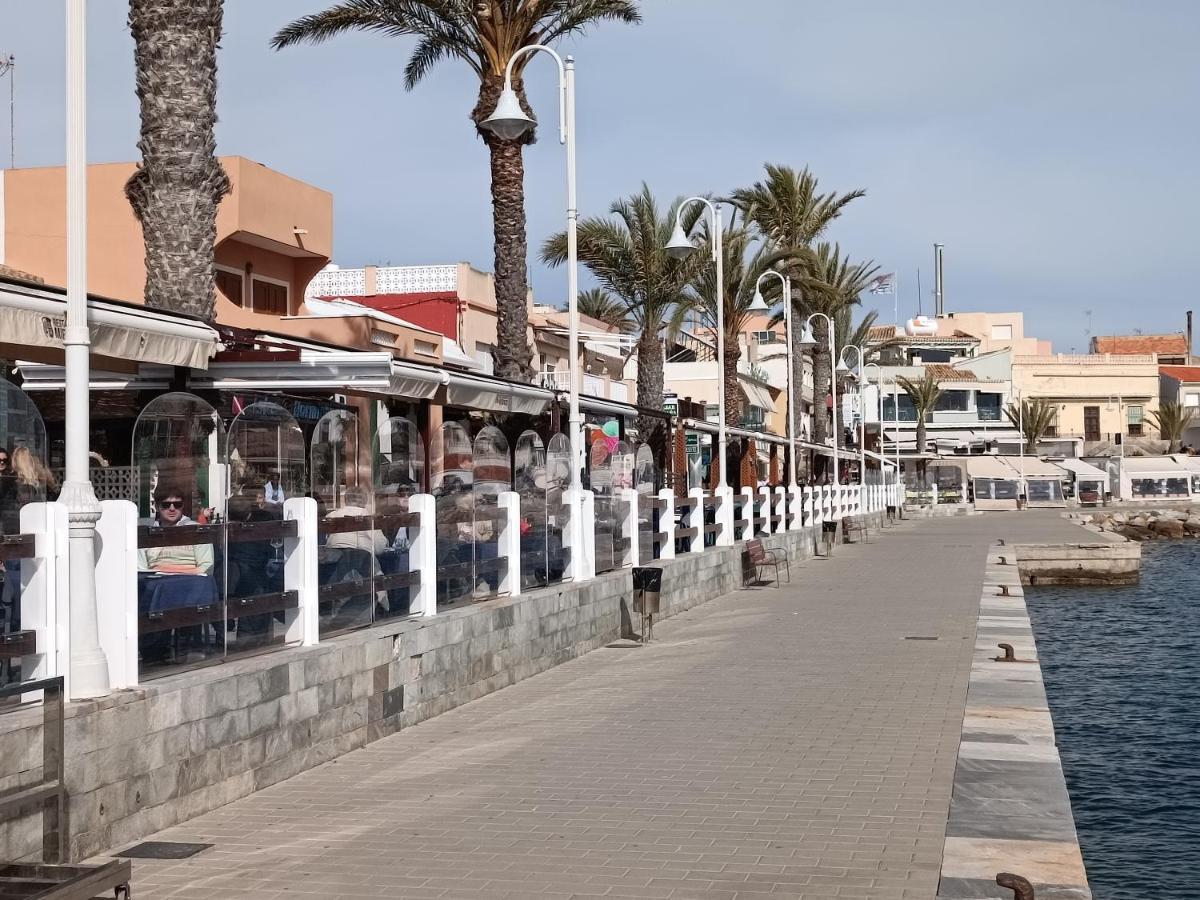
x=925 y=394
x=605 y=307
x=625 y=253
x=1033 y=417
x=483 y=34
x=1172 y=420
x=790 y=211
x=176 y=190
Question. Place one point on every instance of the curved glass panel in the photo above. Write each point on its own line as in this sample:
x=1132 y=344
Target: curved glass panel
x=493 y=476
x=558 y=481
x=601 y=473
x=349 y=544
x=180 y=477
x=645 y=478
x=398 y=464
x=529 y=482
x=452 y=464
x=24 y=479
x=267 y=465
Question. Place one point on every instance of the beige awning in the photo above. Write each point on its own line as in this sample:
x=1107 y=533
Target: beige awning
x=478 y=392
x=37 y=317
x=756 y=395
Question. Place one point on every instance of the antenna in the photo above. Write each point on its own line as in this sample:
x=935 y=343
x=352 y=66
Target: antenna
x=918 y=292
x=1087 y=333
x=8 y=66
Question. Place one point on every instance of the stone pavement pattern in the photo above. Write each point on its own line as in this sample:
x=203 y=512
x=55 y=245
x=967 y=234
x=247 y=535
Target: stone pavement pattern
x=773 y=743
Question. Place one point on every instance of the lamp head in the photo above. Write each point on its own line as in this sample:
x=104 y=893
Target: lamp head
x=808 y=340
x=508 y=121
x=759 y=303
x=680 y=246
x=843 y=370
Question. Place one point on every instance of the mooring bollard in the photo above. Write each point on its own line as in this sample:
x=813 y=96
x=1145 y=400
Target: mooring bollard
x=1021 y=888
x=1004 y=591
x=1003 y=561
x=1009 y=655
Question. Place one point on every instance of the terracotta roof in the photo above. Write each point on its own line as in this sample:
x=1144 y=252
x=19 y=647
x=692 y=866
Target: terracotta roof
x=1134 y=344
x=1182 y=374
x=943 y=372
x=880 y=333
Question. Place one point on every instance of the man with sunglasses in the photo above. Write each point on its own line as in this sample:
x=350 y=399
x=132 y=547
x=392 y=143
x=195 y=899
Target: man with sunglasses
x=187 y=559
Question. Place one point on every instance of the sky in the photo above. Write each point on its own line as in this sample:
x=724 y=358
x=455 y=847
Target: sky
x=1052 y=147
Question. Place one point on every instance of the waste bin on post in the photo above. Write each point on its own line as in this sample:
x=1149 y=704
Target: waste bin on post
x=647 y=587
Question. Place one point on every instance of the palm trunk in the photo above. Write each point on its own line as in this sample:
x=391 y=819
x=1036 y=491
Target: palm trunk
x=650 y=384
x=177 y=189
x=513 y=354
x=733 y=390
x=821 y=382
x=921 y=444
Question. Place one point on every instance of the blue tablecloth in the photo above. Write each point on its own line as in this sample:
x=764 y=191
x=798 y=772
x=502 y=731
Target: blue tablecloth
x=160 y=592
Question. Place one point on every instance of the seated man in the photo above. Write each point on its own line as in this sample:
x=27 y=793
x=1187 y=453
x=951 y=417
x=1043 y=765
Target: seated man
x=186 y=559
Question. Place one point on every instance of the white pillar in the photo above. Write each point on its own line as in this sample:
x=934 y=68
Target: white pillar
x=781 y=509
x=764 y=508
x=628 y=505
x=422 y=555
x=747 y=513
x=300 y=571
x=695 y=520
x=666 y=524
x=724 y=517
x=117 y=604
x=45 y=601
x=509 y=542
x=89 y=668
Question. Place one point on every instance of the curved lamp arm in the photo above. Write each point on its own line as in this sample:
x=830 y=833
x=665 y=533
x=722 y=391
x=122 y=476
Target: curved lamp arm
x=562 y=80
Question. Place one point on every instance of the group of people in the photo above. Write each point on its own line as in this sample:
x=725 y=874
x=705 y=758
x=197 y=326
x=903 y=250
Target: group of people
x=24 y=479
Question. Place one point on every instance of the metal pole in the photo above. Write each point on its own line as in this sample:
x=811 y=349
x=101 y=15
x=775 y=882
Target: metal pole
x=88 y=666
x=1021 y=428
x=574 y=421
x=791 y=387
x=718 y=251
x=833 y=354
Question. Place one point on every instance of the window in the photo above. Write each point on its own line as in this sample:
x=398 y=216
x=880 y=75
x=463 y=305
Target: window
x=1001 y=332
x=764 y=337
x=711 y=412
x=1052 y=428
x=270 y=297
x=908 y=412
x=1135 y=421
x=1191 y=400
x=230 y=284
x=952 y=401
x=988 y=406
x=485 y=356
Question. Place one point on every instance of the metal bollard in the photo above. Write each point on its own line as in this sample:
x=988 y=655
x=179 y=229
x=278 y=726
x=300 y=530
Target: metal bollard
x=1009 y=656
x=1004 y=591
x=1021 y=888
x=1003 y=561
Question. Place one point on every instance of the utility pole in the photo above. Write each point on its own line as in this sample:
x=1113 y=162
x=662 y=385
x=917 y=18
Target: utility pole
x=8 y=66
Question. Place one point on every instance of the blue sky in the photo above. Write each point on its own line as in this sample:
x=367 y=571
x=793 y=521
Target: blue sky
x=1053 y=147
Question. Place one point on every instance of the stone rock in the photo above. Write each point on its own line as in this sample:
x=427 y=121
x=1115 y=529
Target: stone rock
x=1192 y=525
x=1171 y=528
x=1136 y=532
x=1138 y=521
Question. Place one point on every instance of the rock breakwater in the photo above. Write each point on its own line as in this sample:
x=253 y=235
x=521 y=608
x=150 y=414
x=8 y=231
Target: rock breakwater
x=1150 y=524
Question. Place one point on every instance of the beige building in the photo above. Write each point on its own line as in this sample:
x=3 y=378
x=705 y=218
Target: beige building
x=995 y=331
x=1095 y=397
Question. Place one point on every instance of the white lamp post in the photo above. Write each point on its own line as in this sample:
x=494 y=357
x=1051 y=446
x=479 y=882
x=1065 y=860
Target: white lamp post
x=508 y=120
x=879 y=405
x=760 y=305
x=809 y=342
x=856 y=375
x=88 y=666
x=680 y=247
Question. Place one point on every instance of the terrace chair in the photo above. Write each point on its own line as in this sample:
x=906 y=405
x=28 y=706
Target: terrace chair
x=756 y=557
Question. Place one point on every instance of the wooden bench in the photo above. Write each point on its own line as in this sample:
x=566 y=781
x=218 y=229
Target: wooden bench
x=756 y=557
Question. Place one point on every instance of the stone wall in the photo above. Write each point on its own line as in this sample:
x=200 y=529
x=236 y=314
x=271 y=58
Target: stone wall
x=142 y=760
x=1080 y=564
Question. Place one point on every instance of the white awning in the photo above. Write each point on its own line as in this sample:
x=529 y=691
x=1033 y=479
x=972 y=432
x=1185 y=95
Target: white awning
x=1082 y=470
x=477 y=392
x=756 y=395
x=599 y=405
x=36 y=317
x=373 y=372
x=990 y=467
x=1153 y=465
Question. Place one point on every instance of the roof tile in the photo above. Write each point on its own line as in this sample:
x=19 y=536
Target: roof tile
x=1136 y=344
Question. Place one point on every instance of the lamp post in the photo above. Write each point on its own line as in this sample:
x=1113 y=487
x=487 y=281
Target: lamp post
x=760 y=305
x=508 y=120
x=856 y=375
x=879 y=409
x=680 y=247
x=1021 y=445
x=808 y=341
x=88 y=665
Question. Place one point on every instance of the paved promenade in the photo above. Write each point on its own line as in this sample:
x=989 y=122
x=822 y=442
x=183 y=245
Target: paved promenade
x=774 y=743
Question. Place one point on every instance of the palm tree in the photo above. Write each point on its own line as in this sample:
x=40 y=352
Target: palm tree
x=788 y=209
x=1172 y=420
x=625 y=253
x=177 y=188
x=924 y=394
x=1034 y=418
x=484 y=34
x=599 y=304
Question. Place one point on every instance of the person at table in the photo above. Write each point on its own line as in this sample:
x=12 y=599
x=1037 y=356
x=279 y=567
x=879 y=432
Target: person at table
x=371 y=542
x=186 y=559
x=273 y=492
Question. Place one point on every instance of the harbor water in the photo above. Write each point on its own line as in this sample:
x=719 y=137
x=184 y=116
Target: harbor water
x=1122 y=674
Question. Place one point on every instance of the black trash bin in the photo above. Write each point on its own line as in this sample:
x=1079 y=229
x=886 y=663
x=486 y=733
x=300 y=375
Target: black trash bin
x=647 y=589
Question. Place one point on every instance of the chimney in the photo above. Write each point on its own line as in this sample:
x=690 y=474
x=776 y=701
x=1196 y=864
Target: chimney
x=1189 y=337
x=939 y=305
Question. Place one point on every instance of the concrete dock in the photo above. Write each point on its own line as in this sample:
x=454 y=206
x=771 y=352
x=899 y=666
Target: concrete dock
x=798 y=741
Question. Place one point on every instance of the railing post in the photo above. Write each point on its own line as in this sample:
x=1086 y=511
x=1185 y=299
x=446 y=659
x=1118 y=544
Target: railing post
x=781 y=509
x=724 y=517
x=45 y=583
x=764 y=508
x=587 y=528
x=117 y=599
x=666 y=524
x=696 y=520
x=422 y=554
x=509 y=543
x=795 y=505
x=629 y=526
x=806 y=509
x=747 y=513
x=300 y=572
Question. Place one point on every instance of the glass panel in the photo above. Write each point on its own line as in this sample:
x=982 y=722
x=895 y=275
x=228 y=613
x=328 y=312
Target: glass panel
x=622 y=481
x=600 y=458
x=529 y=481
x=348 y=543
x=451 y=478
x=558 y=480
x=180 y=471
x=493 y=476
x=266 y=465
x=646 y=481
x=24 y=478
x=398 y=466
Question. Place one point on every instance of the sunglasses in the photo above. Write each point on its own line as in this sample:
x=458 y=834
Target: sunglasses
x=3 y=460
x=172 y=504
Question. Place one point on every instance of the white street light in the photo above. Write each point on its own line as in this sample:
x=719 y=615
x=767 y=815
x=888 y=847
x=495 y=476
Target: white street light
x=855 y=376
x=760 y=305
x=508 y=120
x=808 y=341
x=680 y=247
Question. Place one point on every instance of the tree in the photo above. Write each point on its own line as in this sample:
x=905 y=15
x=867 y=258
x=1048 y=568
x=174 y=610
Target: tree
x=1034 y=418
x=599 y=304
x=789 y=211
x=625 y=253
x=924 y=394
x=177 y=188
x=1172 y=420
x=483 y=34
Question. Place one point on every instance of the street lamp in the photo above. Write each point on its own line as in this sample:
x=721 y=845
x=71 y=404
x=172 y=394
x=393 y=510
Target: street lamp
x=856 y=375
x=509 y=121
x=808 y=341
x=680 y=246
x=760 y=305
x=879 y=404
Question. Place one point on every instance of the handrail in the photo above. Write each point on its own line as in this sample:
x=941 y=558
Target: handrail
x=50 y=793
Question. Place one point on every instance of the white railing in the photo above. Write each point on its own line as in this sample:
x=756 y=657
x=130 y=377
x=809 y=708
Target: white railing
x=618 y=391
